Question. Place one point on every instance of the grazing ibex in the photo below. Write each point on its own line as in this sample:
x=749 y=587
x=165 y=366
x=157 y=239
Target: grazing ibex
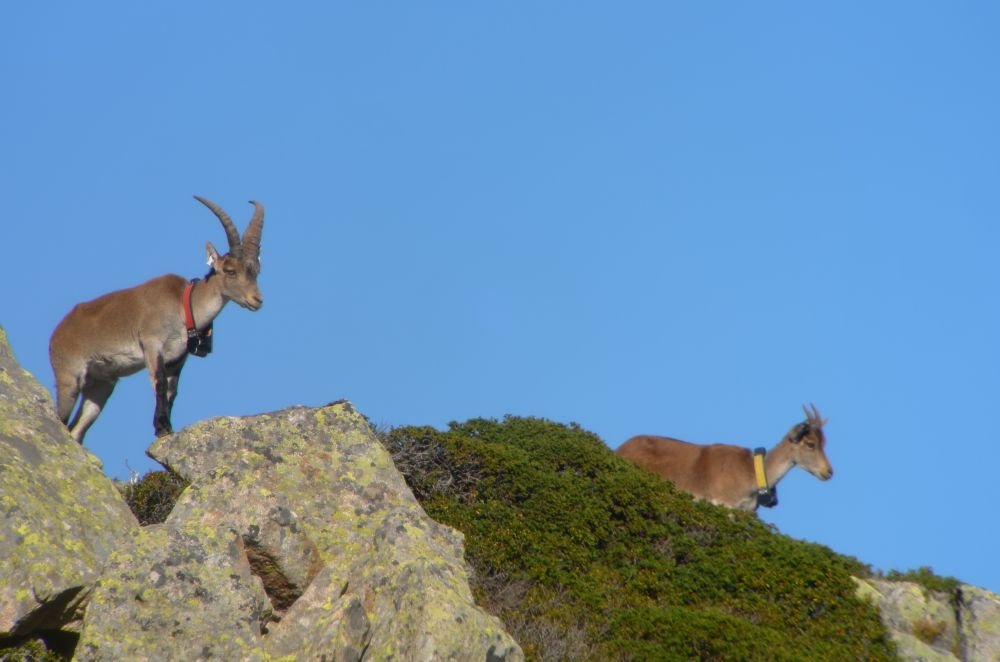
x=729 y=475
x=153 y=325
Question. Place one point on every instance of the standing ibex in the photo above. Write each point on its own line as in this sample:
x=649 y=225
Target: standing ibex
x=729 y=475
x=153 y=325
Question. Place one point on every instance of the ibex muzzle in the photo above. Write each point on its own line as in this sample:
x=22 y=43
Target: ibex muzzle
x=118 y=334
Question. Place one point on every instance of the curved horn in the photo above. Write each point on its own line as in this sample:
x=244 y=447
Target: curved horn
x=251 y=237
x=232 y=234
x=813 y=417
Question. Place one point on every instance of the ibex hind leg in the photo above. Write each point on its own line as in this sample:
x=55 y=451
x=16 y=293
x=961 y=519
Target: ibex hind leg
x=95 y=395
x=67 y=392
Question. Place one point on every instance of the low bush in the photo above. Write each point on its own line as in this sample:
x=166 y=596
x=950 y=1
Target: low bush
x=925 y=577
x=928 y=630
x=47 y=646
x=564 y=536
x=152 y=497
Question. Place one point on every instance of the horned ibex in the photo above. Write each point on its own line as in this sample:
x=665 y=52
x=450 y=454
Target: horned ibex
x=153 y=325
x=726 y=475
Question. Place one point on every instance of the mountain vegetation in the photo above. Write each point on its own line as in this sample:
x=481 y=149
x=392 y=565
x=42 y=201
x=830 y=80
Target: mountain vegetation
x=584 y=556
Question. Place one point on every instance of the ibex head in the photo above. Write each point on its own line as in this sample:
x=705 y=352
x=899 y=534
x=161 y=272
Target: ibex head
x=238 y=268
x=808 y=442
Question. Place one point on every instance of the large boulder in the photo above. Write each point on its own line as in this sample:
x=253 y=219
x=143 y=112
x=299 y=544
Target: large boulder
x=921 y=622
x=937 y=625
x=979 y=613
x=309 y=503
x=171 y=593
x=60 y=516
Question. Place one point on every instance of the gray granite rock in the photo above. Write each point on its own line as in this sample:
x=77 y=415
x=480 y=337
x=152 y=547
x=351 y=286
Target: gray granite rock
x=60 y=516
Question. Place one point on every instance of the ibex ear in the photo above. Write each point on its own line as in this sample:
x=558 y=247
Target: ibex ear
x=798 y=432
x=213 y=255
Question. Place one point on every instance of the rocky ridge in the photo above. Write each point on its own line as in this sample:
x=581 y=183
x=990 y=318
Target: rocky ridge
x=296 y=539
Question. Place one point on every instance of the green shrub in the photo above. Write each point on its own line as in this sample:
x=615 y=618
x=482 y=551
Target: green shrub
x=152 y=497
x=598 y=547
x=679 y=633
x=36 y=648
x=925 y=577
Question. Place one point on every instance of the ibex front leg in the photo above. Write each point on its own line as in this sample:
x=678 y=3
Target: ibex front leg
x=173 y=372
x=158 y=375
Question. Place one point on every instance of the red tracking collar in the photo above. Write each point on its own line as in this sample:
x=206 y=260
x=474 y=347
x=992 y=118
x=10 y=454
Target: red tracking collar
x=188 y=313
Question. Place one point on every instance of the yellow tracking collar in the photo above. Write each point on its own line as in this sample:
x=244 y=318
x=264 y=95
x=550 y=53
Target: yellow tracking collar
x=758 y=469
x=767 y=496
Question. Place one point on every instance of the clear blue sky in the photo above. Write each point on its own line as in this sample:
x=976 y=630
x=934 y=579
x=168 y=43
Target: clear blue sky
x=684 y=219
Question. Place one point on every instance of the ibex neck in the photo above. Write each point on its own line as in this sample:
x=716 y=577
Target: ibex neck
x=206 y=302
x=778 y=462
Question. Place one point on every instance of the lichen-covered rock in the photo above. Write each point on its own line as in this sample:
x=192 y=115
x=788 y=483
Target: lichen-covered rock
x=277 y=548
x=406 y=602
x=176 y=592
x=60 y=516
x=979 y=612
x=935 y=625
x=921 y=622
x=315 y=496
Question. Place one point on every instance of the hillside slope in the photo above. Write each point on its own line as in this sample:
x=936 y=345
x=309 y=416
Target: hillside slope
x=585 y=556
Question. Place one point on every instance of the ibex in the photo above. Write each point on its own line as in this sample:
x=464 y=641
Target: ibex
x=153 y=325
x=730 y=475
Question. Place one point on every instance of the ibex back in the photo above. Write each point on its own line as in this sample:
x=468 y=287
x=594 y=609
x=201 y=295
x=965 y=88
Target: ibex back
x=724 y=474
x=118 y=334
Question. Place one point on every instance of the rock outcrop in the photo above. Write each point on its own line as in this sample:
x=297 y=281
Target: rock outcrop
x=937 y=626
x=296 y=539
x=60 y=516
